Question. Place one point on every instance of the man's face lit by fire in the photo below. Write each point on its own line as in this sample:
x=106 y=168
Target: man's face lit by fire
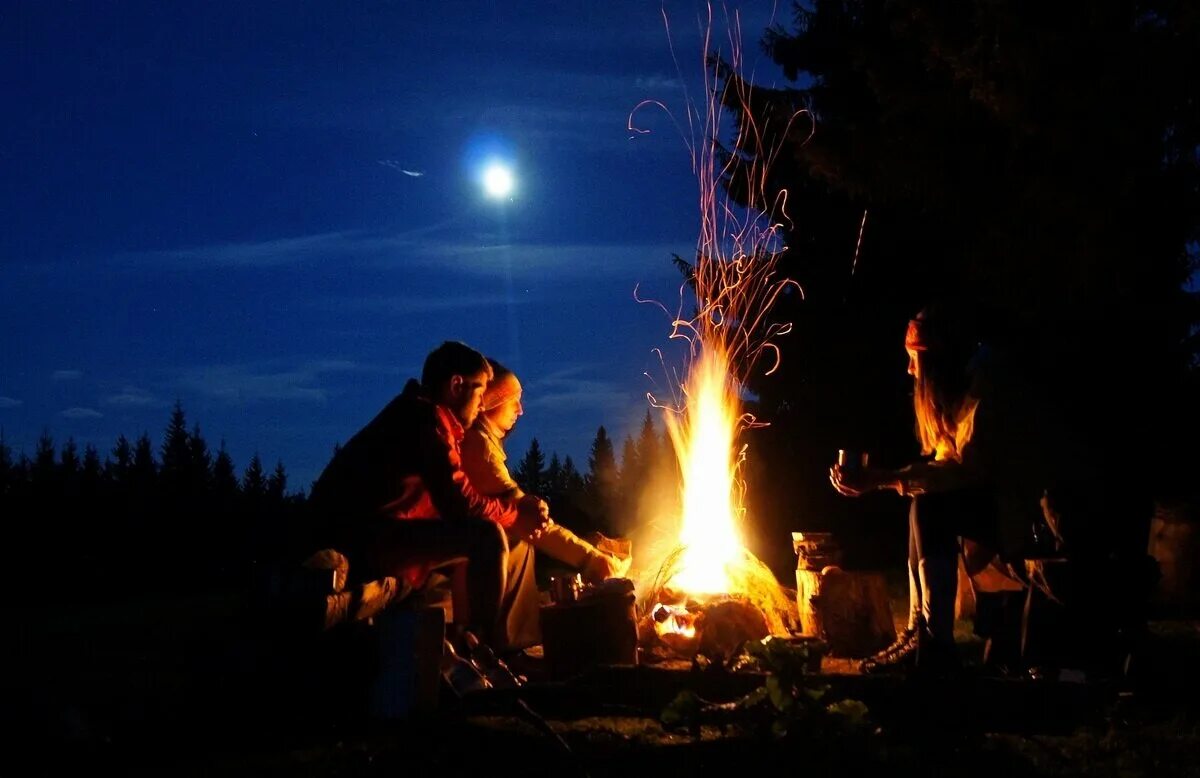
x=504 y=416
x=465 y=395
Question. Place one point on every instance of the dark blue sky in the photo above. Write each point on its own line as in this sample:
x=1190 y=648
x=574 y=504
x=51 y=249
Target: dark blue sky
x=271 y=212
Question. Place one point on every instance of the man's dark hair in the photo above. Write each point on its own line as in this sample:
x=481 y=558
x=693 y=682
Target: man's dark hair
x=450 y=359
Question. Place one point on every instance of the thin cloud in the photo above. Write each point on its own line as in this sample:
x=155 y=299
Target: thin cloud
x=81 y=413
x=569 y=389
x=9 y=402
x=535 y=261
x=133 y=397
x=423 y=247
x=67 y=375
x=241 y=384
x=277 y=252
x=407 y=305
x=394 y=165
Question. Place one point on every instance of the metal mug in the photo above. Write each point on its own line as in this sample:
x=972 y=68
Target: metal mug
x=564 y=588
x=852 y=461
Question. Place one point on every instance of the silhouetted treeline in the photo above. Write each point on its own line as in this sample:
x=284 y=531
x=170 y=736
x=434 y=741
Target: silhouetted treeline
x=169 y=517
x=614 y=495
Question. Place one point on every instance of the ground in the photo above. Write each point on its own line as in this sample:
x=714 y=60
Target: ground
x=180 y=685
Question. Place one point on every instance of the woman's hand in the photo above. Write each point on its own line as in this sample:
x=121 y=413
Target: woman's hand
x=853 y=483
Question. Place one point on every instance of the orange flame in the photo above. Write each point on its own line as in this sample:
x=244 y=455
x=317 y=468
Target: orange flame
x=704 y=441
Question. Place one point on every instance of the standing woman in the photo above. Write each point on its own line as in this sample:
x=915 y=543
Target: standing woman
x=950 y=489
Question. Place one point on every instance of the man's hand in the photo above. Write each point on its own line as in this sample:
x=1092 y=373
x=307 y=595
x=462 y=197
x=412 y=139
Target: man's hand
x=533 y=518
x=602 y=566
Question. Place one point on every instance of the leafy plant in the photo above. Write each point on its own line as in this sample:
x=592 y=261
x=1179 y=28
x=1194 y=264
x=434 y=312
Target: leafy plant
x=788 y=701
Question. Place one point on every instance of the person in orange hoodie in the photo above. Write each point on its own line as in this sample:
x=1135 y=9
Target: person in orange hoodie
x=400 y=504
x=484 y=461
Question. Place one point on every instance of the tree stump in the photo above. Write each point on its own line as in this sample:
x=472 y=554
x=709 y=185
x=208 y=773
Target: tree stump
x=849 y=610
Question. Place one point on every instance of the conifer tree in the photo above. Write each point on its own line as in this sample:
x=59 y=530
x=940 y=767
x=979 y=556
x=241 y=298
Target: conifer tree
x=225 y=480
x=44 y=466
x=648 y=446
x=200 y=480
x=91 y=473
x=7 y=469
x=176 y=457
x=145 y=468
x=120 y=467
x=554 y=484
x=68 y=464
x=254 y=480
x=530 y=474
x=277 y=484
x=573 y=483
x=601 y=480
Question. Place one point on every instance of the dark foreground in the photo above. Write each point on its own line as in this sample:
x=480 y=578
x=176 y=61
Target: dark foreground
x=182 y=686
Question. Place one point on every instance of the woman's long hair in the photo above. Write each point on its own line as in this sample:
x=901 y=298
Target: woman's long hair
x=942 y=402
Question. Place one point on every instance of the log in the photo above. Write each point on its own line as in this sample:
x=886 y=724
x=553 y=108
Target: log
x=596 y=630
x=1175 y=545
x=849 y=610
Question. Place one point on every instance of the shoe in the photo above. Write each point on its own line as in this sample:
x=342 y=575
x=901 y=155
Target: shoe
x=936 y=659
x=900 y=654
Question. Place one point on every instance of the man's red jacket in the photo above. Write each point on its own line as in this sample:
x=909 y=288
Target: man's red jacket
x=405 y=464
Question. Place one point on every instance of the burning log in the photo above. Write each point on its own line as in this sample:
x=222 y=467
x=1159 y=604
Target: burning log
x=715 y=629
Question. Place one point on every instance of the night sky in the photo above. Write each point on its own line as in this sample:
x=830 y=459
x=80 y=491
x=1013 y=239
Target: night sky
x=271 y=212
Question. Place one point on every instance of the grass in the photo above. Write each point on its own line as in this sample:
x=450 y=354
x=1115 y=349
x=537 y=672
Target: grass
x=186 y=686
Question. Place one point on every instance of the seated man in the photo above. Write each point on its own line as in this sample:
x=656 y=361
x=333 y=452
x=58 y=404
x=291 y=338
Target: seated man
x=484 y=463
x=398 y=503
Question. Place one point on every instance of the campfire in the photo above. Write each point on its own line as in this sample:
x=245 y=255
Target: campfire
x=710 y=593
x=704 y=588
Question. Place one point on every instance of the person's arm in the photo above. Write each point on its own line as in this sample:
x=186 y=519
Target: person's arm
x=935 y=476
x=450 y=489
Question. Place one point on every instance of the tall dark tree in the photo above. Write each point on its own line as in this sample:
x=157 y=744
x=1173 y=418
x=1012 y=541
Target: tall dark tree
x=631 y=480
x=277 y=484
x=601 y=478
x=200 y=477
x=555 y=485
x=530 y=472
x=254 y=480
x=69 y=465
x=176 y=452
x=144 y=475
x=44 y=469
x=974 y=149
x=648 y=445
x=7 y=468
x=225 y=480
x=573 y=481
x=91 y=473
x=630 y=469
x=120 y=467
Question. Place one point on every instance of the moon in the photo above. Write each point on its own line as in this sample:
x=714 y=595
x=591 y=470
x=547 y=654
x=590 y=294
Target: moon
x=498 y=180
